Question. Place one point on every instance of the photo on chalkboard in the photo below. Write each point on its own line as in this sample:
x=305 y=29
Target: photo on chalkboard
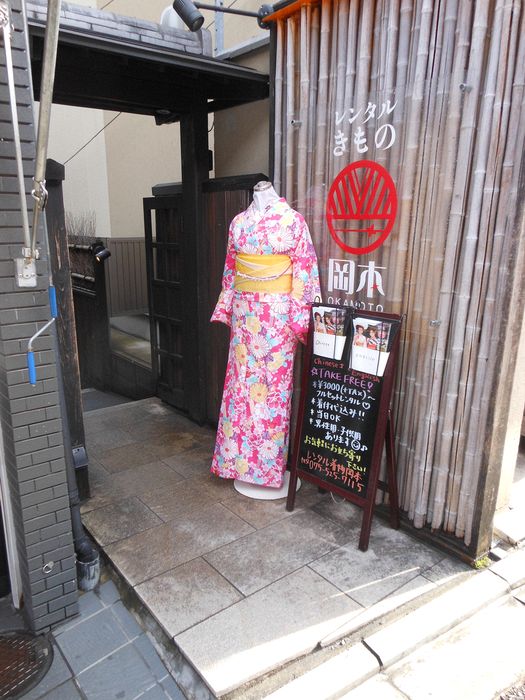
x=370 y=345
x=329 y=331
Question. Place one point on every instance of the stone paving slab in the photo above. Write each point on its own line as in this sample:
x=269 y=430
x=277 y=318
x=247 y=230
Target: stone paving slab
x=261 y=513
x=411 y=591
x=122 y=458
x=331 y=679
x=136 y=480
x=124 y=671
x=187 y=495
x=510 y=526
x=386 y=566
x=436 y=616
x=119 y=520
x=519 y=594
x=269 y=554
x=101 y=440
x=91 y=639
x=192 y=462
x=164 y=547
x=186 y=595
x=377 y=688
x=265 y=630
x=216 y=545
x=102 y=488
x=477 y=659
x=511 y=569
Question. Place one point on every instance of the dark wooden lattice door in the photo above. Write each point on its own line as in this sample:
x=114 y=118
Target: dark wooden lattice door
x=181 y=302
x=168 y=298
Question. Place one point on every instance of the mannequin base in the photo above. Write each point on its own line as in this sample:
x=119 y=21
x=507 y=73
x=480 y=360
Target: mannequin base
x=264 y=493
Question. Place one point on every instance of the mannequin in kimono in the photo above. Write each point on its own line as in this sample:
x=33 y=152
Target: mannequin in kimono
x=270 y=278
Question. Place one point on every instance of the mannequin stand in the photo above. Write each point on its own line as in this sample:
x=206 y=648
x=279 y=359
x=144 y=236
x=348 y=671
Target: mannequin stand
x=263 y=493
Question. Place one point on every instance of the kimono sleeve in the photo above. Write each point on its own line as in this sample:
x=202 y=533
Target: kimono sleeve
x=223 y=308
x=305 y=284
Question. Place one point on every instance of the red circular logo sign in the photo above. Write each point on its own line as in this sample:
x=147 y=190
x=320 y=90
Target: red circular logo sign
x=361 y=207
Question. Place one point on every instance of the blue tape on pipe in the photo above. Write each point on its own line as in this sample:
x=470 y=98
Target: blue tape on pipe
x=31 y=367
x=53 y=302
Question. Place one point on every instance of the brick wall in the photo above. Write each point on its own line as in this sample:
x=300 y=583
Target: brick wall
x=30 y=416
x=132 y=29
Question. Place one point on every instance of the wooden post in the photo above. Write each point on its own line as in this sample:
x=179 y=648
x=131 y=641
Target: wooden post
x=65 y=323
x=195 y=171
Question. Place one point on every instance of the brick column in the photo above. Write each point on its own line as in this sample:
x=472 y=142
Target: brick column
x=30 y=416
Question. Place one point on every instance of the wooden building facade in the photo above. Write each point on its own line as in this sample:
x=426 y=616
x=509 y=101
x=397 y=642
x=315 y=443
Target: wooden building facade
x=399 y=134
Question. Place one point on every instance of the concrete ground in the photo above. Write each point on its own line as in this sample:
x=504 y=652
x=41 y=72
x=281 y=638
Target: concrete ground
x=476 y=660
x=237 y=598
x=242 y=594
x=466 y=643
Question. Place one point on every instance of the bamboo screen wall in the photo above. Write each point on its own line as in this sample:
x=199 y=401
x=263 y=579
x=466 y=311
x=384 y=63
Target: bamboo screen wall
x=434 y=92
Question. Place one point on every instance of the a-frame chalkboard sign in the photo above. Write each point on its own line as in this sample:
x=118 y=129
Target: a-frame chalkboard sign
x=344 y=419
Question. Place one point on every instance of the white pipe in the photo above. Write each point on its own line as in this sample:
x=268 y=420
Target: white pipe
x=5 y=20
x=44 y=115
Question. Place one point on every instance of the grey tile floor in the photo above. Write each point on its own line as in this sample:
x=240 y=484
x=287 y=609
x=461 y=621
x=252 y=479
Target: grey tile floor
x=240 y=586
x=102 y=653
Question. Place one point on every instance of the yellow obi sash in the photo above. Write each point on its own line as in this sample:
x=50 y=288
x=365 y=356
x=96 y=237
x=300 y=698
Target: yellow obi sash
x=263 y=273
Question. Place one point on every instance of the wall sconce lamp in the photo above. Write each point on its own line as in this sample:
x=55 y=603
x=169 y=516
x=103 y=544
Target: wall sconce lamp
x=100 y=252
x=189 y=13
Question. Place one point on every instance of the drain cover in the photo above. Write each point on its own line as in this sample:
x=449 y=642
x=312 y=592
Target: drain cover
x=24 y=661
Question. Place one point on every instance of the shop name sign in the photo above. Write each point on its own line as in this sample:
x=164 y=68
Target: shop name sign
x=361 y=207
x=345 y=278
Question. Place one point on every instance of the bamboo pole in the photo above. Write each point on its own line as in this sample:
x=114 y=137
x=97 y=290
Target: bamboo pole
x=423 y=240
x=422 y=429
x=451 y=115
x=455 y=222
x=289 y=127
x=432 y=205
x=304 y=92
x=400 y=391
x=333 y=96
x=412 y=133
x=471 y=382
x=448 y=165
x=279 y=90
x=322 y=117
x=464 y=277
x=313 y=37
x=509 y=211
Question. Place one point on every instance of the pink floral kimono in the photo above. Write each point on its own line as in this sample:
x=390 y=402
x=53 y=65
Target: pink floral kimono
x=252 y=435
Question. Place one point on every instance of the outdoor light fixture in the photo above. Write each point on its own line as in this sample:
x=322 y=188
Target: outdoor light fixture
x=100 y=252
x=189 y=13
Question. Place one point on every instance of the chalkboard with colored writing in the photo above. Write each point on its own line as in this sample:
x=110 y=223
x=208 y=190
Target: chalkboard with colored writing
x=344 y=420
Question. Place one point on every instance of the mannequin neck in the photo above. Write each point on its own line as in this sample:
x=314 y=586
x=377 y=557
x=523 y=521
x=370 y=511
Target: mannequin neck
x=263 y=195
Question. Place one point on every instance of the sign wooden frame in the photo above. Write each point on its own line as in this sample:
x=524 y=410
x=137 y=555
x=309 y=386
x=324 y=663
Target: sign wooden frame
x=383 y=431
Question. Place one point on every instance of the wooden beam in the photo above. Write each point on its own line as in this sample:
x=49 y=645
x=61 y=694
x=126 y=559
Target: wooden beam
x=194 y=163
x=65 y=323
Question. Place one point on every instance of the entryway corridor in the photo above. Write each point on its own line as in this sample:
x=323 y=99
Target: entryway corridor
x=238 y=589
